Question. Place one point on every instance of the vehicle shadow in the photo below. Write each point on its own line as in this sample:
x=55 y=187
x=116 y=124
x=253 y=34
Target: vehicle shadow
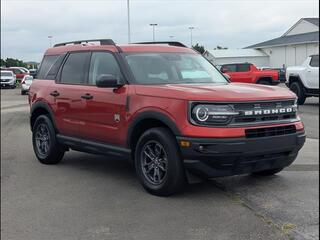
x=121 y=170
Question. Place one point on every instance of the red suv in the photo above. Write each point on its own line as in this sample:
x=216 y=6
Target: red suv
x=163 y=106
x=249 y=73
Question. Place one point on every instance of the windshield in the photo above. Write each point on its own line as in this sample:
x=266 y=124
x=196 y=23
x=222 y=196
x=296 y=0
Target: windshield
x=28 y=78
x=6 y=74
x=173 y=68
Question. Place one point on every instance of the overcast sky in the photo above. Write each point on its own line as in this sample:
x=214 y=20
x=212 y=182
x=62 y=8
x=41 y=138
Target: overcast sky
x=26 y=24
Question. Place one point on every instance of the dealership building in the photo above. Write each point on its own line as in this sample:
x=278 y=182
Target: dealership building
x=292 y=48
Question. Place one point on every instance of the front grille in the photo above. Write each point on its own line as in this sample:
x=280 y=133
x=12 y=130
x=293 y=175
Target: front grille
x=5 y=80
x=242 y=107
x=271 y=131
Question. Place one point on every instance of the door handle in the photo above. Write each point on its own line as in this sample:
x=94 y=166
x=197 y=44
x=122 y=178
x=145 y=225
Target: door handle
x=55 y=93
x=87 y=96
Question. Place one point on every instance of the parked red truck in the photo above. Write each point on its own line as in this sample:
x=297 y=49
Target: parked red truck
x=165 y=107
x=249 y=73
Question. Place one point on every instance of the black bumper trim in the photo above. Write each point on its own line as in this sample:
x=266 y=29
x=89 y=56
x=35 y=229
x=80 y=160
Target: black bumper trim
x=216 y=157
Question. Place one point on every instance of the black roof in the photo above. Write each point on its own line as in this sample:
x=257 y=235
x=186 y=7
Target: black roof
x=291 y=39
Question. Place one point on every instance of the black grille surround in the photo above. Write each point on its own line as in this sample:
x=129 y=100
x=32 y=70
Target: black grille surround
x=263 y=118
x=241 y=119
x=270 y=131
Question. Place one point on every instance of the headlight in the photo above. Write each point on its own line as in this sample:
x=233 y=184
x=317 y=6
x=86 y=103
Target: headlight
x=210 y=114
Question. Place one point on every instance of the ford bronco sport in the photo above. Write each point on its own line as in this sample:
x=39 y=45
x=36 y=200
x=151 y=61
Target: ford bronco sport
x=163 y=106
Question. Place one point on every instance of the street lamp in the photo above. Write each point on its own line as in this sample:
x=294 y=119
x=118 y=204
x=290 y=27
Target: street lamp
x=129 y=33
x=50 y=40
x=153 y=28
x=191 y=28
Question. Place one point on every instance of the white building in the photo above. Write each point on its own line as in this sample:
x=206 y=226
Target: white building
x=294 y=46
x=225 y=56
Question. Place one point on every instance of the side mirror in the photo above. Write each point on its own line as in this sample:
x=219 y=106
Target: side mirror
x=108 y=81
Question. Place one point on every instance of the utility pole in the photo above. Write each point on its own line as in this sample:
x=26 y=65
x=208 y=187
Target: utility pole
x=50 y=40
x=191 y=28
x=153 y=30
x=129 y=33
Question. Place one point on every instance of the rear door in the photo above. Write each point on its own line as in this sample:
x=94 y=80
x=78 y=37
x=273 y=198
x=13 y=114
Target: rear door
x=71 y=83
x=105 y=109
x=312 y=75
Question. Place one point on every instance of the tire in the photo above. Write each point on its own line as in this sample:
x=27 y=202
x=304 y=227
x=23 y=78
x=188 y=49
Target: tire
x=165 y=174
x=264 y=82
x=45 y=145
x=268 y=172
x=23 y=92
x=298 y=90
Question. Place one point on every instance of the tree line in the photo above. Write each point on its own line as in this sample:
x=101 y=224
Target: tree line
x=12 y=62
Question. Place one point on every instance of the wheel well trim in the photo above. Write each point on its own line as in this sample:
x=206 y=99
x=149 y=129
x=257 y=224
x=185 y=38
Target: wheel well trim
x=45 y=106
x=152 y=115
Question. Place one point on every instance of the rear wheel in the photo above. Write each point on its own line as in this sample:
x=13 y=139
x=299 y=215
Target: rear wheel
x=158 y=163
x=268 y=172
x=45 y=145
x=298 y=90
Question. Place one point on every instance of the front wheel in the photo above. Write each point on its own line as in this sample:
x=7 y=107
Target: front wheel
x=158 y=163
x=298 y=90
x=45 y=145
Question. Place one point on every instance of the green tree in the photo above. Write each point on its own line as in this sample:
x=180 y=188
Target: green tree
x=199 y=48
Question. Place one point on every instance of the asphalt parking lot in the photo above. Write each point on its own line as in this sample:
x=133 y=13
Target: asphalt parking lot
x=94 y=197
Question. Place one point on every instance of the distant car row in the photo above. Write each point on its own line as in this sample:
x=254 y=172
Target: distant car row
x=9 y=77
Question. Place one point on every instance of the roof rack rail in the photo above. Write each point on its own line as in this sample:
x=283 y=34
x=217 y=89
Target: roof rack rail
x=102 y=42
x=174 y=43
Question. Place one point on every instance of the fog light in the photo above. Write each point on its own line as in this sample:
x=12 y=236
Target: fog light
x=184 y=143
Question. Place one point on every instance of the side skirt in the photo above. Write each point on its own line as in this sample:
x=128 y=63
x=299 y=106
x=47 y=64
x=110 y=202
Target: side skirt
x=94 y=147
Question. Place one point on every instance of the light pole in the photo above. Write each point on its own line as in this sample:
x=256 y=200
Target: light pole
x=153 y=29
x=191 y=28
x=50 y=40
x=129 y=33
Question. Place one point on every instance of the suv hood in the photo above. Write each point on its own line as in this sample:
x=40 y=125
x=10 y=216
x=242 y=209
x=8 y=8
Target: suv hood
x=232 y=92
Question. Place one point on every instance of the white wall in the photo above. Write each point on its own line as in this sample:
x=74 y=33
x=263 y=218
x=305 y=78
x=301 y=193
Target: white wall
x=303 y=27
x=290 y=55
x=258 y=61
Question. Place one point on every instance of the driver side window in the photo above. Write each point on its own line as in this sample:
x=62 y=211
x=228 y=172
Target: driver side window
x=103 y=63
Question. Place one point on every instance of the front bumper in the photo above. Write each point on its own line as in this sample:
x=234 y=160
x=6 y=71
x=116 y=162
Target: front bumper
x=232 y=156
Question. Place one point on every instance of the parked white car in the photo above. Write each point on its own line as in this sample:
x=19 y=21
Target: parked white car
x=8 y=79
x=25 y=84
x=304 y=80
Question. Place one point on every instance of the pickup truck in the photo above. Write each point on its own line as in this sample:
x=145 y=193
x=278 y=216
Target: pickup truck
x=304 y=80
x=249 y=73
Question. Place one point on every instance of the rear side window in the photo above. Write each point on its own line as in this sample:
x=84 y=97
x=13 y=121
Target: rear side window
x=45 y=66
x=314 y=61
x=243 y=68
x=75 y=68
x=229 y=68
x=55 y=68
x=103 y=63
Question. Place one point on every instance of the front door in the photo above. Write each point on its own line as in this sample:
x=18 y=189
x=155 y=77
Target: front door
x=104 y=108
